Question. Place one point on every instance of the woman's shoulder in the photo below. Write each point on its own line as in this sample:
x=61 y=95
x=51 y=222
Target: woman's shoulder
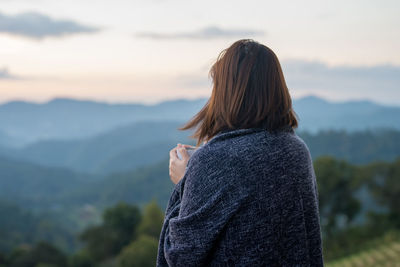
x=299 y=145
x=238 y=144
x=242 y=138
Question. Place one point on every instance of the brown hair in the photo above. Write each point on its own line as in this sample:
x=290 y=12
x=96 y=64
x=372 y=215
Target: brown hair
x=249 y=91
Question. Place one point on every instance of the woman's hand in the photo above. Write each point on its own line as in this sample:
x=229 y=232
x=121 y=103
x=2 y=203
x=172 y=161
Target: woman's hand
x=177 y=166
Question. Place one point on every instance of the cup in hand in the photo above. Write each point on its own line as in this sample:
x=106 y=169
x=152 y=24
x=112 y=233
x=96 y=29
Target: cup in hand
x=190 y=151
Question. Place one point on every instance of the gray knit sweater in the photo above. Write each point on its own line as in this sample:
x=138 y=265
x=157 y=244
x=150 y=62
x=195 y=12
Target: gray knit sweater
x=248 y=198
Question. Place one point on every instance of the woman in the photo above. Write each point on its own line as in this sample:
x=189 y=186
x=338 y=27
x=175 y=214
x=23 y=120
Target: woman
x=248 y=195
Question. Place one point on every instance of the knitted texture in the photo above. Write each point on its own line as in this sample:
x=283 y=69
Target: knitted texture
x=248 y=198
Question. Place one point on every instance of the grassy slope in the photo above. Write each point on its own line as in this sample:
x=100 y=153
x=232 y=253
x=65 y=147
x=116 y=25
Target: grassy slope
x=382 y=252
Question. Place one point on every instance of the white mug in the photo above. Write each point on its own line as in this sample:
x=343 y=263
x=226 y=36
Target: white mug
x=189 y=150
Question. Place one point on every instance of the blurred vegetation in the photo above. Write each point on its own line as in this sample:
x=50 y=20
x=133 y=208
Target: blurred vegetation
x=383 y=251
x=358 y=147
x=19 y=226
x=357 y=204
x=358 y=207
x=127 y=148
x=42 y=254
x=126 y=237
x=118 y=228
x=140 y=253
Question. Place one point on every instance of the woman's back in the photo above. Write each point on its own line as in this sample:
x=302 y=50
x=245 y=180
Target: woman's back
x=248 y=198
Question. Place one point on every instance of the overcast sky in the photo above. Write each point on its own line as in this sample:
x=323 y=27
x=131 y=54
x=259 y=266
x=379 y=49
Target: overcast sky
x=153 y=50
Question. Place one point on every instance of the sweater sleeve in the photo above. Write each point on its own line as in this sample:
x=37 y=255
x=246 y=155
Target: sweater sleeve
x=171 y=211
x=209 y=198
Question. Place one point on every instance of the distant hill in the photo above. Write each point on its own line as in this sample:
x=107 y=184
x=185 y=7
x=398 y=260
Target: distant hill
x=19 y=226
x=317 y=114
x=37 y=187
x=32 y=185
x=121 y=149
x=138 y=186
x=145 y=143
x=71 y=119
x=8 y=141
x=358 y=147
x=54 y=204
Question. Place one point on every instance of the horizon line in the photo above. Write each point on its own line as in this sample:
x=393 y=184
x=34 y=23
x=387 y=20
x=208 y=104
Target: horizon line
x=103 y=101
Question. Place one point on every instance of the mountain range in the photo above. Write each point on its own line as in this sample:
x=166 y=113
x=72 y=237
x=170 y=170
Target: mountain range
x=120 y=149
x=23 y=123
x=70 y=119
x=145 y=143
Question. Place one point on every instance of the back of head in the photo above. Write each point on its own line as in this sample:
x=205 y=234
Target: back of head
x=249 y=91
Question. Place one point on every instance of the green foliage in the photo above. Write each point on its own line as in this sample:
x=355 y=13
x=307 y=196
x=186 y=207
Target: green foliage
x=340 y=186
x=100 y=242
x=3 y=260
x=33 y=185
x=152 y=220
x=124 y=218
x=81 y=259
x=122 y=224
x=385 y=183
x=139 y=186
x=42 y=254
x=382 y=251
x=15 y=226
x=117 y=230
x=65 y=192
x=45 y=186
x=336 y=186
x=45 y=265
x=140 y=253
x=18 y=226
x=18 y=252
x=341 y=198
x=358 y=147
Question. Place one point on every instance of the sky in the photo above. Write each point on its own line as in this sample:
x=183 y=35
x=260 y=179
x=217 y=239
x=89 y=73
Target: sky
x=153 y=50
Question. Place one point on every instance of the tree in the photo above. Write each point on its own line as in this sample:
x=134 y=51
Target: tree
x=3 y=260
x=82 y=259
x=140 y=253
x=43 y=254
x=118 y=230
x=101 y=242
x=336 y=185
x=123 y=219
x=385 y=183
x=152 y=220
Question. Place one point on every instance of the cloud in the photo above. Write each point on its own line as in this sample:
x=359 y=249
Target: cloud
x=210 y=32
x=38 y=26
x=6 y=75
x=308 y=74
x=379 y=82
